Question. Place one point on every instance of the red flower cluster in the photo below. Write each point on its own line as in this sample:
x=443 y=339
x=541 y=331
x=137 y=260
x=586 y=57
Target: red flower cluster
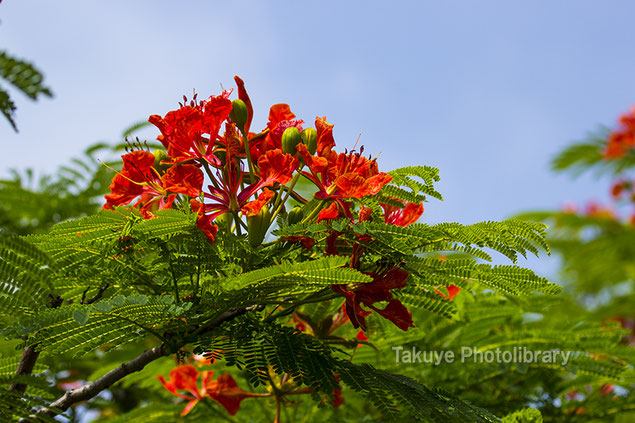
x=223 y=390
x=622 y=140
x=193 y=141
x=210 y=141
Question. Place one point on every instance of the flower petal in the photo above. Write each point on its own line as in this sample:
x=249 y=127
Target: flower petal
x=275 y=166
x=242 y=94
x=226 y=392
x=253 y=207
x=331 y=212
x=325 y=141
x=183 y=179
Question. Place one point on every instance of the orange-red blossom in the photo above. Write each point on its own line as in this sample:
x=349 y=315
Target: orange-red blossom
x=223 y=390
x=622 y=140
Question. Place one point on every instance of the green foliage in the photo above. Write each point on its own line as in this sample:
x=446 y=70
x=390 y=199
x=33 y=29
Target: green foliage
x=386 y=390
x=526 y=415
x=597 y=251
x=143 y=272
x=24 y=77
x=404 y=177
x=79 y=329
x=261 y=349
x=596 y=248
x=29 y=204
x=90 y=290
x=25 y=275
x=583 y=156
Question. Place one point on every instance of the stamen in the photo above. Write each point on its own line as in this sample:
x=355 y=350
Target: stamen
x=358 y=137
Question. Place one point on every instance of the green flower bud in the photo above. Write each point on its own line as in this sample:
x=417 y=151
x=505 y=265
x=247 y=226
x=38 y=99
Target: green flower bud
x=290 y=138
x=239 y=114
x=225 y=221
x=309 y=138
x=257 y=226
x=159 y=156
x=295 y=215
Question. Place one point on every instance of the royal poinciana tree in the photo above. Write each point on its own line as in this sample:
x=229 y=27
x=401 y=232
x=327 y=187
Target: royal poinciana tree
x=261 y=275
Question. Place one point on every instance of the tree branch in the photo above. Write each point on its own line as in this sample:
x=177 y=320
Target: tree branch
x=90 y=390
x=25 y=367
x=97 y=296
x=30 y=354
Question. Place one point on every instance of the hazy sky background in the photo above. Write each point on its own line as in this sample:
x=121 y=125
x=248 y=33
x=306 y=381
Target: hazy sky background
x=487 y=91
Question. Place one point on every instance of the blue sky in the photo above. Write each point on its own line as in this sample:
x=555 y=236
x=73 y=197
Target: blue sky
x=487 y=91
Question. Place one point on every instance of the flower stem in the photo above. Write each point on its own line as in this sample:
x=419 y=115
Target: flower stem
x=238 y=222
x=277 y=420
x=310 y=216
x=280 y=203
x=248 y=154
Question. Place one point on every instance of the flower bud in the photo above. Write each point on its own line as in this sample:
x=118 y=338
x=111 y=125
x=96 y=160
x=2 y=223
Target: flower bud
x=224 y=221
x=295 y=215
x=159 y=156
x=290 y=138
x=239 y=114
x=309 y=138
x=257 y=226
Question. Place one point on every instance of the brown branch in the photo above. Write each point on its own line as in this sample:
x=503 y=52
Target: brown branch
x=96 y=297
x=25 y=367
x=90 y=390
x=30 y=354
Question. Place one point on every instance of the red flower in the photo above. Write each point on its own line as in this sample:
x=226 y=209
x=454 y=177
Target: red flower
x=183 y=131
x=453 y=290
x=226 y=392
x=203 y=221
x=402 y=216
x=596 y=210
x=338 y=399
x=280 y=118
x=277 y=167
x=183 y=378
x=139 y=179
x=365 y=213
x=343 y=175
x=331 y=212
x=223 y=390
x=617 y=189
x=623 y=138
x=325 y=140
x=340 y=176
x=253 y=207
x=377 y=291
x=361 y=336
